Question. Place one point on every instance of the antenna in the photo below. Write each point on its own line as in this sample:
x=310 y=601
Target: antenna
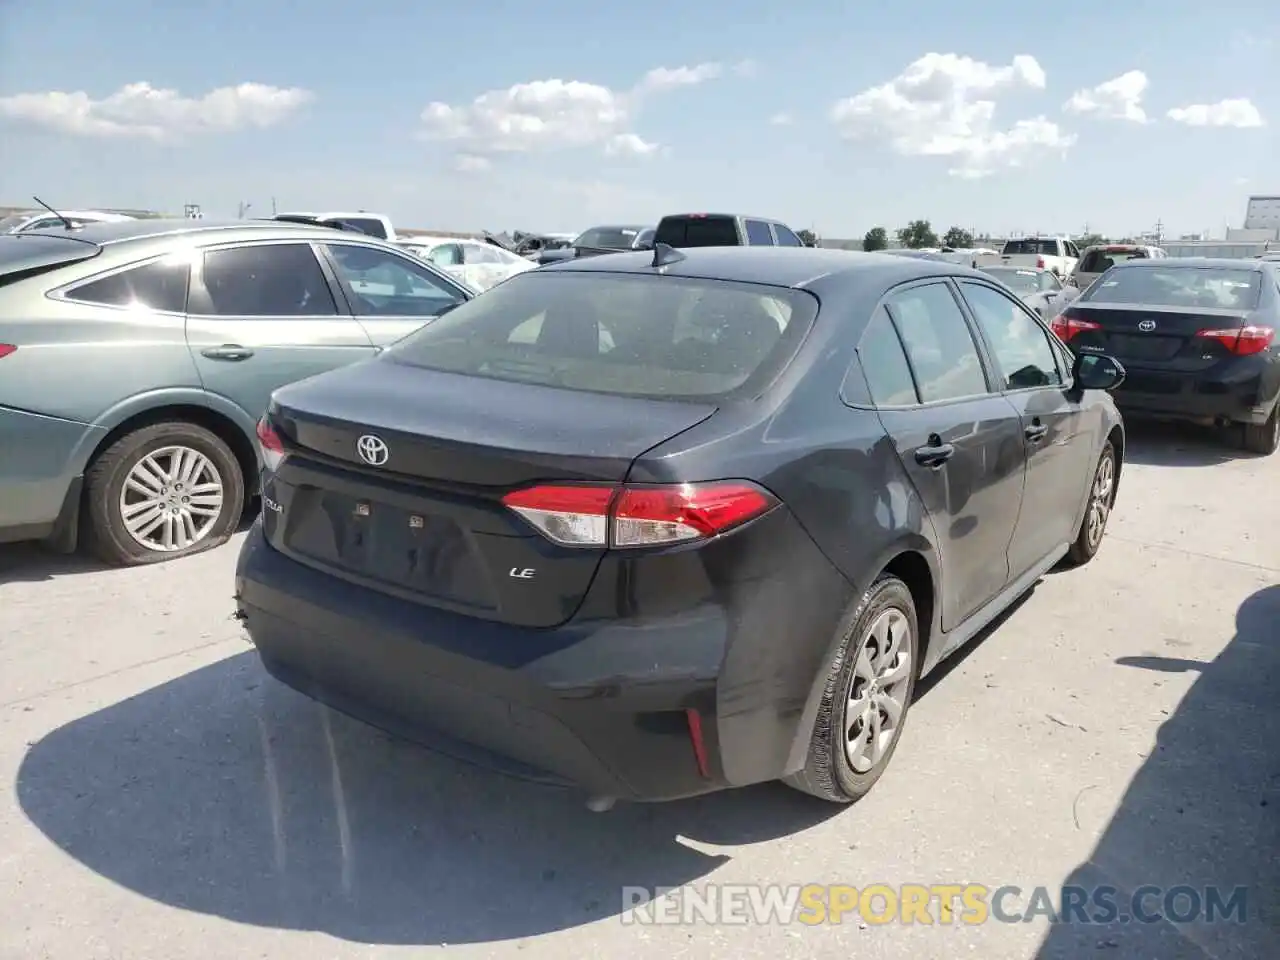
x=65 y=222
x=664 y=255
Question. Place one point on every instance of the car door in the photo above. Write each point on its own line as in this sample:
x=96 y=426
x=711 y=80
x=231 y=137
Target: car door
x=391 y=294
x=261 y=315
x=958 y=439
x=1058 y=439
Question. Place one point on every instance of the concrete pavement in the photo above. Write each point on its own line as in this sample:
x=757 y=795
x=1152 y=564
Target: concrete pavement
x=163 y=798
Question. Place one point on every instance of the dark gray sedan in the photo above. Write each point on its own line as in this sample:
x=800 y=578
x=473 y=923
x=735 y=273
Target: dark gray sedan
x=136 y=358
x=1039 y=289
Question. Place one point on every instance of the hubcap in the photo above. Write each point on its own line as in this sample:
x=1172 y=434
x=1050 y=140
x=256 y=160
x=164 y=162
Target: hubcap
x=878 y=693
x=1100 y=500
x=171 y=499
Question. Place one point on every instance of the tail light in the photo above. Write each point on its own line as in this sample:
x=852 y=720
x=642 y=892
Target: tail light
x=1039 y=263
x=271 y=444
x=6 y=349
x=638 y=515
x=1068 y=324
x=1242 y=341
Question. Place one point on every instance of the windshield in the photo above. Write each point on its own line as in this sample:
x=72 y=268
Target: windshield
x=1021 y=282
x=1100 y=261
x=10 y=223
x=1031 y=248
x=1178 y=286
x=697 y=232
x=611 y=238
x=632 y=335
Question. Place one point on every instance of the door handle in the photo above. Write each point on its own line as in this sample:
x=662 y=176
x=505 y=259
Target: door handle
x=228 y=351
x=935 y=454
x=1036 y=432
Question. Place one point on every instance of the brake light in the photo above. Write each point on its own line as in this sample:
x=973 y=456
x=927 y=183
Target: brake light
x=591 y=515
x=6 y=349
x=271 y=444
x=1039 y=263
x=1243 y=341
x=1067 y=325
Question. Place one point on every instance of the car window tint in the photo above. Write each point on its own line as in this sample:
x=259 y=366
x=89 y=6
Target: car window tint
x=697 y=232
x=381 y=284
x=943 y=356
x=1020 y=345
x=785 y=237
x=885 y=364
x=369 y=225
x=759 y=234
x=266 y=280
x=159 y=285
x=636 y=335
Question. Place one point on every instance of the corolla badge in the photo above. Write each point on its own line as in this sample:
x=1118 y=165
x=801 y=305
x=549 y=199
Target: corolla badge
x=1146 y=326
x=373 y=450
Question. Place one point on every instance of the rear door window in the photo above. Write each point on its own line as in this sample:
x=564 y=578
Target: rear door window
x=698 y=232
x=160 y=285
x=617 y=333
x=759 y=234
x=944 y=357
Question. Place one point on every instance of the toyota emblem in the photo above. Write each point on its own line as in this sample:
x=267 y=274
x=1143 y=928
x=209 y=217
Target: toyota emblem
x=1146 y=326
x=373 y=450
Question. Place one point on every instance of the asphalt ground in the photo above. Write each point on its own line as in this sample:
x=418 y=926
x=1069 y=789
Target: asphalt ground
x=1118 y=731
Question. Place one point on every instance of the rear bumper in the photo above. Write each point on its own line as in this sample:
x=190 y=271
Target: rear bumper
x=39 y=467
x=1242 y=392
x=598 y=703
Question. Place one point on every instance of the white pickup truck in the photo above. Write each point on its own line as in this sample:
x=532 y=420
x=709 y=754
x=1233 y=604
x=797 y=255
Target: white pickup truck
x=1056 y=254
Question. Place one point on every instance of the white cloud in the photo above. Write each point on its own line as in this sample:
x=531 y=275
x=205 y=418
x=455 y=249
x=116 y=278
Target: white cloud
x=781 y=119
x=470 y=163
x=1224 y=113
x=1116 y=99
x=141 y=110
x=555 y=113
x=941 y=106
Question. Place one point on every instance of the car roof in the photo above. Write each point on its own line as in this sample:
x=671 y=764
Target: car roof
x=800 y=267
x=126 y=230
x=731 y=216
x=986 y=267
x=1166 y=262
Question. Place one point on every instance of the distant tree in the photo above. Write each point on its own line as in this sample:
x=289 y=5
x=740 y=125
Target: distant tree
x=1090 y=240
x=877 y=238
x=918 y=234
x=807 y=238
x=957 y=237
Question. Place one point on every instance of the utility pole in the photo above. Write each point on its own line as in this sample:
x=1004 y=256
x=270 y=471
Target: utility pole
x=1159 y=230
x=273 y=206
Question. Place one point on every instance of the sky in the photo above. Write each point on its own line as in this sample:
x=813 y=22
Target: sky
x=518 y=114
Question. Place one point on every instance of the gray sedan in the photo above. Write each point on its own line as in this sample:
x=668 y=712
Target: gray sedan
x=1039 y=289
x=137 y=357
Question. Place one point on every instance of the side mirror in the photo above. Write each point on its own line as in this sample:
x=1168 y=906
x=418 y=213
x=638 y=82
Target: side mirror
x=1097 y=371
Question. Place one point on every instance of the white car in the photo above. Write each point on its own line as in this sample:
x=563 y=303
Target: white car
x=478 y=264
x=43 y=219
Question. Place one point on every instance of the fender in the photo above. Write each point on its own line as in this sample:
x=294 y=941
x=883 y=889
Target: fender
x=142 y=403
x=908 y=543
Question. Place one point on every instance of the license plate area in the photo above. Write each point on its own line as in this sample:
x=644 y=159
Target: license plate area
x=1126 y=346
x=427 y=553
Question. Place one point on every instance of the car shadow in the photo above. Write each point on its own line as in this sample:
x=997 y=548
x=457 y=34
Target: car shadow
x=1160 y=443
x=1202 y=812
x=226 y=793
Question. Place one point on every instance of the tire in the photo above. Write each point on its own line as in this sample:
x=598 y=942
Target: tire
x=1262 y=438
x=1102 y=498
x=105 y=492
x=828 y=772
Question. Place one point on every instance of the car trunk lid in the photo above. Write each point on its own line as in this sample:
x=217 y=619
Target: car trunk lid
x=1166 y=336
x=419 y=512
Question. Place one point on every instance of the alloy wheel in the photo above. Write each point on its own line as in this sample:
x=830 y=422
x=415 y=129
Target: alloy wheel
x=1100 y=500
x=878 y=690
x=171 y=499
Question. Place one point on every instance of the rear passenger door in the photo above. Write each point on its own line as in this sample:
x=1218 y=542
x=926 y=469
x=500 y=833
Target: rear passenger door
x=959 y=441
x=1057 y=438
x=261 y=315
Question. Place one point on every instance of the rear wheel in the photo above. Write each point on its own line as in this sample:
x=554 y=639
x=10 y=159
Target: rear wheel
x=164 y=491
x=868 y=692
x=1102 y=497
x=1263 y=438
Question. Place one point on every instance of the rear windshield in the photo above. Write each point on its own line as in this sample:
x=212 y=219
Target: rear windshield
x=644 y=336
x=1021 y=282
x=1173 y=286
x=698 y=232
x=11 y=223
x=374 y=228
x=611 y=238
x=1100 y=261
x=1032 y=248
